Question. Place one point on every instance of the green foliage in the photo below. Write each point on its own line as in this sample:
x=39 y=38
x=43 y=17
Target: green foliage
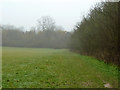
x=97 y=34
x=54 y=68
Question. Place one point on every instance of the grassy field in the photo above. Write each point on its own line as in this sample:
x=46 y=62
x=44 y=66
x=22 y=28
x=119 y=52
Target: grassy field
x=54 y=68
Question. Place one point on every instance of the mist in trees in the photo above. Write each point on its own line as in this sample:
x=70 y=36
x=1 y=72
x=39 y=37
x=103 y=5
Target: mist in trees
x=45 y=35
x=46 y=23
x=97 y=34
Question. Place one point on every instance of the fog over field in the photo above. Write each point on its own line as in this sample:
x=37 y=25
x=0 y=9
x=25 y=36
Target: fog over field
x=59 y=44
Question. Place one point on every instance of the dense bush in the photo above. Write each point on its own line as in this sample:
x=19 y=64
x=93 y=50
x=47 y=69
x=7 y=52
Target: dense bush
x=97 y=34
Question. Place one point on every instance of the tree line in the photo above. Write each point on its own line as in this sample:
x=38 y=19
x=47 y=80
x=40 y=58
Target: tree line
x=98 y=33
x=45 y=35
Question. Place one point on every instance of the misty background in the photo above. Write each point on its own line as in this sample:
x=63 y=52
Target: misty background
x=86 y=27
x=25 y=13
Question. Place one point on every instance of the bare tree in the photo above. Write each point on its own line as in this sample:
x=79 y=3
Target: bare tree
x=46 y=23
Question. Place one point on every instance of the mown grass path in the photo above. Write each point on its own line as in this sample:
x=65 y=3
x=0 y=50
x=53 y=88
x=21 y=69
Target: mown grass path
x=54 y=68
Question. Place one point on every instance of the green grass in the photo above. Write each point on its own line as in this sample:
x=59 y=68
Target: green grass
x=54 y=68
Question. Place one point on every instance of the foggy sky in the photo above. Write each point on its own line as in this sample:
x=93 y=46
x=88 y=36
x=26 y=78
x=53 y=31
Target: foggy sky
x=25 y=13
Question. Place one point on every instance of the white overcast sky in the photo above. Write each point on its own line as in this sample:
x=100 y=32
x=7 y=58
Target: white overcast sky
x=66 y=13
